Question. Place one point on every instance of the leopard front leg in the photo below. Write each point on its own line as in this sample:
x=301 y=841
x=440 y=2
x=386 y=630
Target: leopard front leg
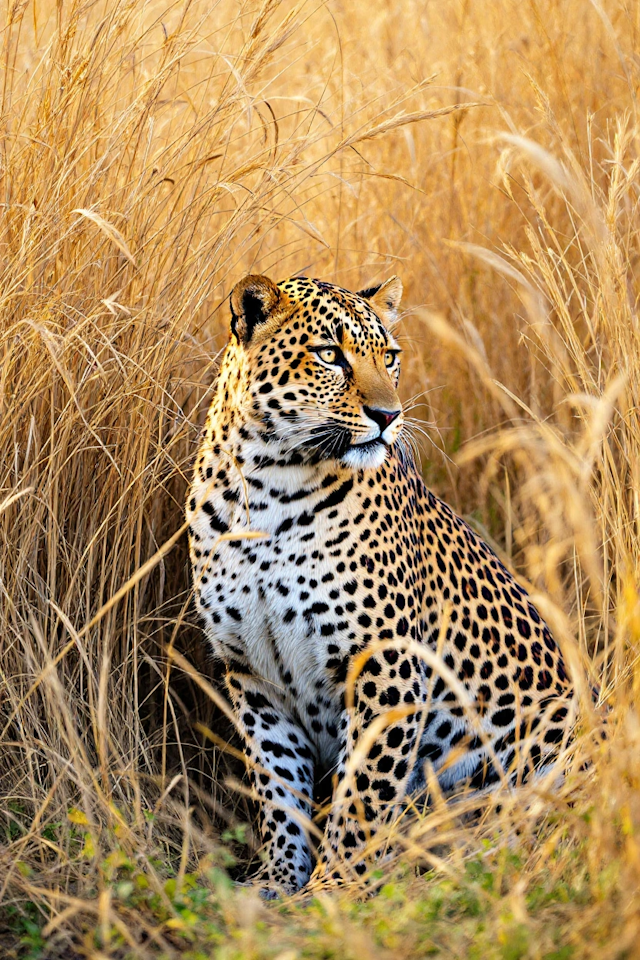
x=281 y=767
x=381 y=727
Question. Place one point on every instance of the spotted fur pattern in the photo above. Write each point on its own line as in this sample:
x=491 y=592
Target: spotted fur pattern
x=303 y=442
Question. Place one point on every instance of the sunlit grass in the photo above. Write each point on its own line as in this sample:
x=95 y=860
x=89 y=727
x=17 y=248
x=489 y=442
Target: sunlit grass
x=150 y=155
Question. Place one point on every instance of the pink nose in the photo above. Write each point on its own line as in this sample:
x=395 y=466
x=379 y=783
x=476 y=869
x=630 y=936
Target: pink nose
x=382 y=417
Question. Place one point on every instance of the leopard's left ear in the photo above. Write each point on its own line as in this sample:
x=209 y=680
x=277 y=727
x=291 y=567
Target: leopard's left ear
x=385 y=299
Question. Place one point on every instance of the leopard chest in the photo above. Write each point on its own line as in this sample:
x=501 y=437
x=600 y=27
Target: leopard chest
x=269 y=607
x=277 y=603
x=334 y=571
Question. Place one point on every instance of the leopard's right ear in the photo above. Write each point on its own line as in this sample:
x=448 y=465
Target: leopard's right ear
x=252 y=301
x=385 y=299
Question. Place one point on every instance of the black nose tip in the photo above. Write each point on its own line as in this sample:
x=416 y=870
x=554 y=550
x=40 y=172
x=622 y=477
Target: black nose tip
x=382 y=417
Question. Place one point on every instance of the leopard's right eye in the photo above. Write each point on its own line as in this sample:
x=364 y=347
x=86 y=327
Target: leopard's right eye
x=331 y=355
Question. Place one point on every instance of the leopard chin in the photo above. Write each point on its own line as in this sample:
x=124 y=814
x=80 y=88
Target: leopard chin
x=365 y=456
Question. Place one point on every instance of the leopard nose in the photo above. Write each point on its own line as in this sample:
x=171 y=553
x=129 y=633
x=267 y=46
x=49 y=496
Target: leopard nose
x=383 y=418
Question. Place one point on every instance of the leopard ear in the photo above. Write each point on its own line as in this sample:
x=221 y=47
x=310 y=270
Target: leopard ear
x=384 y=299
x=252 y=301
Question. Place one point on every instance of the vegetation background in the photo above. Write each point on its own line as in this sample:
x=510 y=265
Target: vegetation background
x=153 y=152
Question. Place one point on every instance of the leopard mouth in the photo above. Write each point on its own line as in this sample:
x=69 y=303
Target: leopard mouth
x=335 y=443
x=369 y=444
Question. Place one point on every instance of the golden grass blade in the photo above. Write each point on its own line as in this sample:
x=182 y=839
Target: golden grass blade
x=14 y=497
x=109 y=231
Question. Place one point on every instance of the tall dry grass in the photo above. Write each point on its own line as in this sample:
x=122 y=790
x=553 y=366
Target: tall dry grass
x=152 y=153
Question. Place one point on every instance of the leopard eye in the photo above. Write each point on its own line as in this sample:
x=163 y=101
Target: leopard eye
x=390 y=357
x=331 y=355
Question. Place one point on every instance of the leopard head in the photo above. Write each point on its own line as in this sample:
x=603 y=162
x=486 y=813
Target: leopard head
x=321 y=367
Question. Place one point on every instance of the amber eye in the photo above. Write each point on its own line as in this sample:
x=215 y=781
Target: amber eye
x=390 y=357
x=330 y=354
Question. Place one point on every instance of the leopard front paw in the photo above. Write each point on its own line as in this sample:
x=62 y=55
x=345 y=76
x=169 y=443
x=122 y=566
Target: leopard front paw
x=325 y=877
x=271 y=887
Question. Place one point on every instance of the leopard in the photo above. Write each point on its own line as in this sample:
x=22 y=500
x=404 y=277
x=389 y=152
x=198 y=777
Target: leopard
x=365 y=632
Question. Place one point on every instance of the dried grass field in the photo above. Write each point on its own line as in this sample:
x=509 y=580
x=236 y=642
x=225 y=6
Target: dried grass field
x=151 y=154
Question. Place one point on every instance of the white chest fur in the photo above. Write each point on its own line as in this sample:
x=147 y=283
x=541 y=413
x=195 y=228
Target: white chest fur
x=278 y=603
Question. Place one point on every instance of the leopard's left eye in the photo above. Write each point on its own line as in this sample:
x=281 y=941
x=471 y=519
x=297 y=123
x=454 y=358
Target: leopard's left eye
x=390 y=357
